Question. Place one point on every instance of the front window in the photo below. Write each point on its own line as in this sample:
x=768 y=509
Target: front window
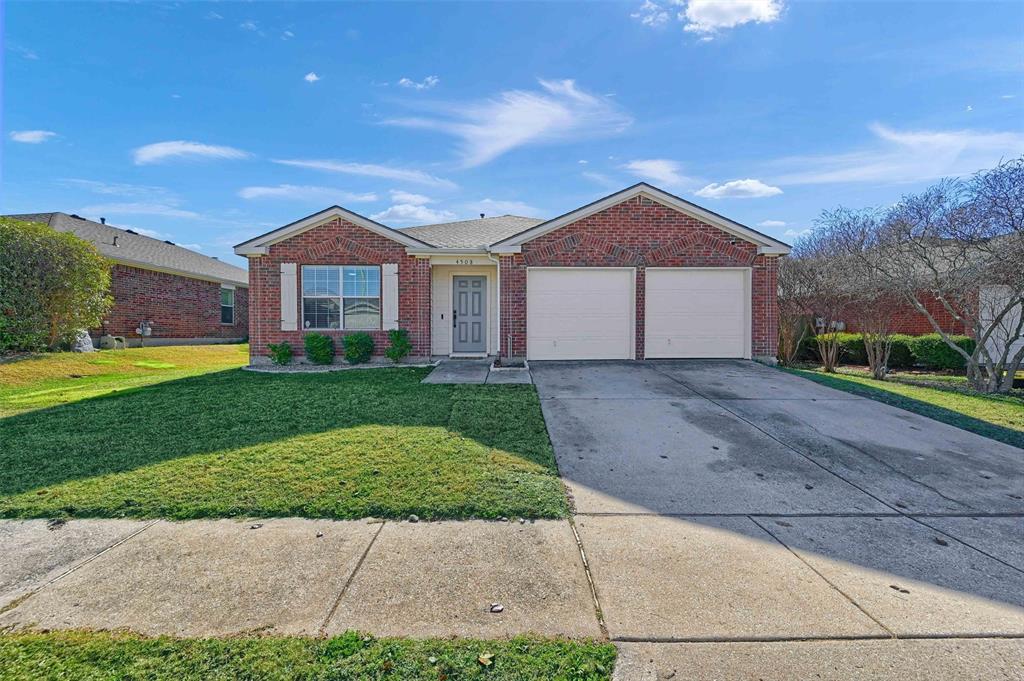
x=227 y=306
x=340 y=297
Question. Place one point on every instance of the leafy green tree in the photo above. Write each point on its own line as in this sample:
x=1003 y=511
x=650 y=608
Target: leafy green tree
x=51 y=285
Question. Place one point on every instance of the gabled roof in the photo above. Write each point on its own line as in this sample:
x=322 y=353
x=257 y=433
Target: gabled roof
x=133 y=249
x=478 y=233
x=260 y=245
x=765 y=243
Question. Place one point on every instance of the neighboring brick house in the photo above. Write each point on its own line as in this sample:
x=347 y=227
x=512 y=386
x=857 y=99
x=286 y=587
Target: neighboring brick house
x=907 y=320
x=185 y=296
x=638 y=274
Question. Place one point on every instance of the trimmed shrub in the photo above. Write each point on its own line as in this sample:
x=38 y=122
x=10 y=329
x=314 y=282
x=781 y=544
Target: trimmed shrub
x=52 y=285
x=358 y=347
x=931 y=352
x=280 y=353
x=400 y=346
x=900 y=356
x=319 y=348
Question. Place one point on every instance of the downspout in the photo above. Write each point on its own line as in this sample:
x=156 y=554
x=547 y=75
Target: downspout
x=497 y=266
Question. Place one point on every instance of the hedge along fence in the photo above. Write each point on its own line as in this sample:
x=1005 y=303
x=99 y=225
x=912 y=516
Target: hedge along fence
x=928 y=351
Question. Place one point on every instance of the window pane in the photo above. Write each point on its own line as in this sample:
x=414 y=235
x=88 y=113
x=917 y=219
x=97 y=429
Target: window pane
x=321 y=313
x=362 y=313
x=321 y=280
x=362 y=281
x=227 y=314
x=227 y=296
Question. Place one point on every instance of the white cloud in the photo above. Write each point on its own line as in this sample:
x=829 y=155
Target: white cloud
x=486 y=129
x=651 y=14
x=902 y=156
x=248 y=25
x=660 y=171
x=796 y=233
x=140 y=208
x=162 y=151
x=494 y=207
x=32 y=136
x=771 y=223
x=370 y=170
x=119 y=188
x=311 y=77
x=213 y=15
x=151 y=233
x=399 y=196
x=738 y=189
x=425 y=84
x=583 y=161
x=969 y=108
x=23 y=51
x=194 y=247
x=601 y=179
x=305 y=193
x=408 y=213
x=711 y=16
x=287 y=35
x=1007 y=96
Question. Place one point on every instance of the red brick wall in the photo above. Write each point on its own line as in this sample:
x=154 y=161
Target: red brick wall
x=176 y=306
x=639 y=233
x=337 y=242
x=906 y=319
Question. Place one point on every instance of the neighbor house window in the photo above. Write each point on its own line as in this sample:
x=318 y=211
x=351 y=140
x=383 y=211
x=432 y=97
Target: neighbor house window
x=227 y=306
x=340 y=297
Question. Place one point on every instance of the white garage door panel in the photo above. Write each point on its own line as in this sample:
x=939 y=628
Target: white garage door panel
x=579 y=314
x=696 y=313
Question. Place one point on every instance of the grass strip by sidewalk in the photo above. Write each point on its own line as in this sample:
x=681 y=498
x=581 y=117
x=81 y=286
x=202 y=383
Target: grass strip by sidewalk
x=1000 y=417
x=85 y=656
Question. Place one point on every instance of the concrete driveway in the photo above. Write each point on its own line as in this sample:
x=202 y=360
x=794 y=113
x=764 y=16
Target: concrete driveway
x=725 y=502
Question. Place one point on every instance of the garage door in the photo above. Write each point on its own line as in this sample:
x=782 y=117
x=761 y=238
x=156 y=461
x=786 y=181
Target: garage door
x=696 y=313
x=579 y=313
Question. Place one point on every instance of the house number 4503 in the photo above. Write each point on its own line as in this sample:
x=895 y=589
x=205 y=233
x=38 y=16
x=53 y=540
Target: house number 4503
x=464 y=261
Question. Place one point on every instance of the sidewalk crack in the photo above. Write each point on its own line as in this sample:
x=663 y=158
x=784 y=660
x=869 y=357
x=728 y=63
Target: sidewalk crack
x=351 y=577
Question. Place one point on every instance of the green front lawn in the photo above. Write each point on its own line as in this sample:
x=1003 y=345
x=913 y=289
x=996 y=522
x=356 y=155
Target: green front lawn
x=84 y=656
x=1000 y=417
x=229 y=442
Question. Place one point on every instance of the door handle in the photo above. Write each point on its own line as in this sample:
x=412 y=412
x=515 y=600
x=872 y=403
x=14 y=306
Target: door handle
x=455 y=317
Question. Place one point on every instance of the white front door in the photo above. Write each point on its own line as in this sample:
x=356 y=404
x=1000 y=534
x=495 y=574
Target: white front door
x=697 y=312
x=579 y=313
x=469 y=314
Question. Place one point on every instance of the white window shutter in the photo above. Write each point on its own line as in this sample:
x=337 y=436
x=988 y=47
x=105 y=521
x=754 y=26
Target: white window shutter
x=389 y=296
x=289 y=297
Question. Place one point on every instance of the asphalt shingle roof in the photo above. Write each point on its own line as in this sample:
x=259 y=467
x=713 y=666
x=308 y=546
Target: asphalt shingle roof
x=138 y=250
x=472 y=233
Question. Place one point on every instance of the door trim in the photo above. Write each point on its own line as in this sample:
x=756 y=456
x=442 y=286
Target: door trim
x=487 y=314
x=632 y=307
x=748 y=299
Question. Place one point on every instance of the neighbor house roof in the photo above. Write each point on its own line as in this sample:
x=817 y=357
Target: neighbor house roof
x=130 y=248
x=472 y=233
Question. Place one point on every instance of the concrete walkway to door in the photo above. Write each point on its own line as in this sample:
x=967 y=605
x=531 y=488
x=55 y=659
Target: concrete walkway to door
x=730 y=512
x=476 y=371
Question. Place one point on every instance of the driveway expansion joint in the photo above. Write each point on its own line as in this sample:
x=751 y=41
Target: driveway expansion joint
x=845 y=595
x=590 y=579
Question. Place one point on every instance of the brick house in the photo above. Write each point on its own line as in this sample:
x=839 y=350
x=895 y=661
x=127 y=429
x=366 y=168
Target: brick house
x=185 y=296
x=639 y=274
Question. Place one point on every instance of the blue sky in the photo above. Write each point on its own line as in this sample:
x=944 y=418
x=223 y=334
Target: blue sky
x=210 y=123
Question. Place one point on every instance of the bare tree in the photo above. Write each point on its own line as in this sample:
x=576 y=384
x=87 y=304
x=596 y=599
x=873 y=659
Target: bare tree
x=794 y=315
x=961 y=243
x=822 y=284
x=851 y=235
